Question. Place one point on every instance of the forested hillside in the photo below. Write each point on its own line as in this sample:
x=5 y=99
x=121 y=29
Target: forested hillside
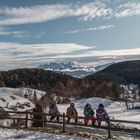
x=48 y=81
x=123 y=72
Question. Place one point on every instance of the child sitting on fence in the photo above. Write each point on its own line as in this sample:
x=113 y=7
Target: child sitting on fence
x=72 y=113
x=89 y=114
x=101 y=114
x=53 y=110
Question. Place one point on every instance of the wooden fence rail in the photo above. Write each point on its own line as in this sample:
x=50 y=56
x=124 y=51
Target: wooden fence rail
x=44 y=120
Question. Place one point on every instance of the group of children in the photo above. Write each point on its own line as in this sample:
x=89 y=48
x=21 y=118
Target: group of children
x=101 y=114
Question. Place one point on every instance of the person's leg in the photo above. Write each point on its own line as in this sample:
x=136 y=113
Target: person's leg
x=99 y=123
x=86 y=120
x=52 y=117
x=93 y=120
x=68 y=120
x=57 y=118
x=76 y=120
x=107 y=121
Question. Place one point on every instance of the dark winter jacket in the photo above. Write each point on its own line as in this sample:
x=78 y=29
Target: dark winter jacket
x=53 y=110
x=72 y=112
x=88 y=111
x=101 y=114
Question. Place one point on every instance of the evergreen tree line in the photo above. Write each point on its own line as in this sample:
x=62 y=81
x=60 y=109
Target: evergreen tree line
x=59 y=83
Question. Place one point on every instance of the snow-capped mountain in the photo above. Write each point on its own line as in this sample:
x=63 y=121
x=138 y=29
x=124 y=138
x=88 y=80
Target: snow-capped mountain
x=73 y=68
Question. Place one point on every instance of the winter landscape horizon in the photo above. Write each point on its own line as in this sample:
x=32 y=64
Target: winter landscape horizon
x=69 y=69
x=92 y=32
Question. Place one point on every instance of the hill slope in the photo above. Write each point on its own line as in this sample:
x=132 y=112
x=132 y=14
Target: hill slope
x=116 y=110
x=49 y=81
x=122 y=72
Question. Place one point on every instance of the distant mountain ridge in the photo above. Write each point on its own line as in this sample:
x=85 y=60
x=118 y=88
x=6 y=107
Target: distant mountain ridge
x=73 y=68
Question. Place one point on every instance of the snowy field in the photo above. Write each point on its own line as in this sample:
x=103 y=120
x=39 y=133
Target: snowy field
x=22 y=91
x=13 y=134
x=116 y=110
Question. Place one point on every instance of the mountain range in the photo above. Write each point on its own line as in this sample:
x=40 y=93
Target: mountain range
x=73 y=68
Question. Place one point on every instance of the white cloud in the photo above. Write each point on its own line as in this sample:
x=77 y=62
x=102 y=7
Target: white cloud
x=27 y=51
x=44 y=13
x=103 y=27
x=72 y=32
x=4 y=31
x=16 y=55
x=128 y=9
x=35 y=53
x=58 y=50
x=94 y=10
x=121 y=52
x=102 y=53
x=34 y=14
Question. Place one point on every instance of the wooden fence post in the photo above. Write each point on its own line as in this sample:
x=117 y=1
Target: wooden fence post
x=109 y=130
x=63 y=122
x=44 y=120
x=26 y=121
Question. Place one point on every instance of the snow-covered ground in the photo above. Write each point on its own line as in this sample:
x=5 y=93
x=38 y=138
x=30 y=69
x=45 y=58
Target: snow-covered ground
x=13 y=134
x=22 y=91
x=116 y=110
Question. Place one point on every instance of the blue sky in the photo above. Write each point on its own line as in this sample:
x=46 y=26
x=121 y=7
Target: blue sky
x=87 y=31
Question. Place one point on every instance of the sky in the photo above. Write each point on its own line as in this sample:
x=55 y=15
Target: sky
x=34 y=32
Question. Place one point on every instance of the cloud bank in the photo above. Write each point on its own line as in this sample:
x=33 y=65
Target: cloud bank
x=44 y=13
x=29 y=54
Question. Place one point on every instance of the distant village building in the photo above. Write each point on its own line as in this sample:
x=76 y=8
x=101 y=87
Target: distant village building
x=131 y=96
x=12 y=102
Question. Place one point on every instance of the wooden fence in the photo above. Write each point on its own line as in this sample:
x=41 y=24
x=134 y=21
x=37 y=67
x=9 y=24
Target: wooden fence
x=63 y=117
